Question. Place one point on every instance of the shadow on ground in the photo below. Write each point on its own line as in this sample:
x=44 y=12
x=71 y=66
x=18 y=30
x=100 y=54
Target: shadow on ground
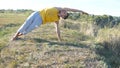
x=75 y=44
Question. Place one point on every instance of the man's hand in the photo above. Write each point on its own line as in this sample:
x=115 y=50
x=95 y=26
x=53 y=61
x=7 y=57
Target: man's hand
x=85 y=13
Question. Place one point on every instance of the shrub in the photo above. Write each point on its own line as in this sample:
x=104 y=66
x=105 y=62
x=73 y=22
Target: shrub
x=109 y=39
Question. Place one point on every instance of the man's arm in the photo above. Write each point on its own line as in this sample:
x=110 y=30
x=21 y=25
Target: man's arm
x=75 y=10
x=57 y=30
x=72 y=10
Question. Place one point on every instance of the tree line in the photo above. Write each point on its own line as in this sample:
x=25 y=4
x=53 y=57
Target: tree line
x=100 y=20
x=15 y=11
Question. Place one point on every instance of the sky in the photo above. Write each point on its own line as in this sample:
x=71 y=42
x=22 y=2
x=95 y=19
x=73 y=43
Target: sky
x=96 y=7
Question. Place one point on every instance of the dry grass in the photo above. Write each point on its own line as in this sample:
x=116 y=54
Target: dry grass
x=40 y=48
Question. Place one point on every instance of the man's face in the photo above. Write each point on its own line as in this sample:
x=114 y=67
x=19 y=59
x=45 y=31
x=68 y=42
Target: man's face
x=63 y=14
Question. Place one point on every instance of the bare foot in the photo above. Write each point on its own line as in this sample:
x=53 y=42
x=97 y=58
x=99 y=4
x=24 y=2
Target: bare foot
x=14 y=38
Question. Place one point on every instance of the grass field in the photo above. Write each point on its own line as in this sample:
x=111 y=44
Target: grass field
x=83 y=45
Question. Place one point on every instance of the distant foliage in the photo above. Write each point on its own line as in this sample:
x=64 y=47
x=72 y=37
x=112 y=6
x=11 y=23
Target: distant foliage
x=100 y=20
x=16 y=11
x=74 y=16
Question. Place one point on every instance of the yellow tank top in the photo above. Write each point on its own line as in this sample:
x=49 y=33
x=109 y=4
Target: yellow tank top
x=49 y=15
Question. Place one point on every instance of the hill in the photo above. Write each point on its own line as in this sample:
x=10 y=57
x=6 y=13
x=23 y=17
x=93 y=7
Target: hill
x=88 y=41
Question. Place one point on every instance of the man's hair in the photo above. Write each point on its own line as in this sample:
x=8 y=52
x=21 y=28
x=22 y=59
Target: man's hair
x=64 y=11
x=66 y=16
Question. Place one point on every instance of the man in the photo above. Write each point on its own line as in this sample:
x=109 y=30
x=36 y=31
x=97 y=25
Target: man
x=47 y=15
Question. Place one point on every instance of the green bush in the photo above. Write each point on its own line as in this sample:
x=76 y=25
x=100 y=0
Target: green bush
x=109 y=40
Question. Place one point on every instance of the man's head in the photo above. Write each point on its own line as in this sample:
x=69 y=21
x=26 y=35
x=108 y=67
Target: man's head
x=63 y=14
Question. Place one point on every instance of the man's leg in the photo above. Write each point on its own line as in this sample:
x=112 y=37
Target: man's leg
x=30 y=24
x=22 y=29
